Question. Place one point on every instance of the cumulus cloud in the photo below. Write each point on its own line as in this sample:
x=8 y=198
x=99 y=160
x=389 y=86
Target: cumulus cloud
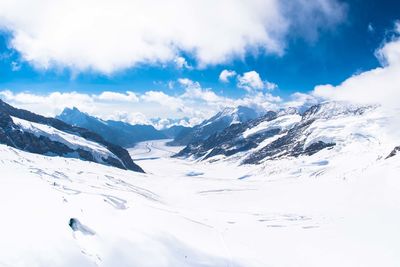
x=162 y=123
x=376 y=86
x=301 y=101
x=225 y=75
x=193 y=90
x=370 y=27
x=181 y=63
x=251 y=81
x=15 y=66
x=163 y=99
x=130 y=117
x=107 y=36
x=114 y=96
x=190 y=107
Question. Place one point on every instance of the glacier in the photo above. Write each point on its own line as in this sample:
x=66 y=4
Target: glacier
x=337 y=207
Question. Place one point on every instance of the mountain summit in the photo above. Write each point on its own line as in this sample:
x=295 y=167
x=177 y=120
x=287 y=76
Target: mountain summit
x=52 y=137
x=121 y=133
x=215 y=124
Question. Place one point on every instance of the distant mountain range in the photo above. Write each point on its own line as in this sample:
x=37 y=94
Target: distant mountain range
x=121 y=133
x=215 y=124
x=283 y=134
x=52 y=137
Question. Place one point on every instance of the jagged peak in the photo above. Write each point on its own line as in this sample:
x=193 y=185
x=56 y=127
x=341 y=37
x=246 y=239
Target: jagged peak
x=73 y=110
x=331 y=109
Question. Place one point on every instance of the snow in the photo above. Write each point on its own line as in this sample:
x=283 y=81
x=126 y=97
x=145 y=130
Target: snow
x=344 y=130
x=338 y=207
x=72 y=141
x=284 y=123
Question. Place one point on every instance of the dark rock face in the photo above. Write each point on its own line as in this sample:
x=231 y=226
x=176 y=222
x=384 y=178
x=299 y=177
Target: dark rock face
x=117 y=132
x=76 y=225
x=230 y=140
x=394 y=152
x=12 y=135
x=291 y=144
x=214 y=125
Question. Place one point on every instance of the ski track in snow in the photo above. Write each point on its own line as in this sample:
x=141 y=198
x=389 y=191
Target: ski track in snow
x=335 y=208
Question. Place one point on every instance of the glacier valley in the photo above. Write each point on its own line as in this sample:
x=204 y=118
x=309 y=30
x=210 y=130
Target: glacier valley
x=337 y=206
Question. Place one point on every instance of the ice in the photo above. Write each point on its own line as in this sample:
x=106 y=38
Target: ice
x=339 y=207
x=284 y=123
x=72 y=141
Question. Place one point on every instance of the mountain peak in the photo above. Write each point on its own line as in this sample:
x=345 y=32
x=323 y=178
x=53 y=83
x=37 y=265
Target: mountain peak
x=71 y=110
x=118 y=132
x=73 y=116
x=331 y=109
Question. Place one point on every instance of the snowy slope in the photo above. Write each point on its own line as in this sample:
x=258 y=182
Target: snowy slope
x=48 y=136
x=117 y=132
x=215 y=124
x=337 y=207
x=283 y=123
x=289 y=134
x=334 y=208
x=73 y=141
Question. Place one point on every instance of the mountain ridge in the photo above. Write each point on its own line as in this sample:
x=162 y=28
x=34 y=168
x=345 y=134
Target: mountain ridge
x=121 y=133
x=27 y=135
x=285 y=133
x=215 y=124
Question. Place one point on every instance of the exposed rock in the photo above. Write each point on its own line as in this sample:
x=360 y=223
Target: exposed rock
x=12 y=135
x=292 y=140
x=394 y=152
x=116 y=132
x=215 y=124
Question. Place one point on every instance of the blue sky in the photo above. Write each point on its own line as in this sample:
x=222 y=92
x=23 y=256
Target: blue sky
x=321 y=46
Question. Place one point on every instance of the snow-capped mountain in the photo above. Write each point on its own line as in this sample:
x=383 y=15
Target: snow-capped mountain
x=174 y=131
x=204 y=213
x=37 y=134
x=285 y=133
x=66 y=212
x=120 y=133
x=215 y=124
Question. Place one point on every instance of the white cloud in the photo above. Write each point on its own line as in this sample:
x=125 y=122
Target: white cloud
x=130 y=117
x=50 y=104
x=181 y=63
x=114 y=96
x=370 y=27
x=171 y=84
x=163 y=99
x=270 y=85
x=107 y=36
x=299 y=100
x=376 y=86
x=162 y=123
x=194 y=91
x=397 y=26
x=225 y=75
x=260 y=101
x=15 y=66
x=190 y=107
x=251 y=81
x=188 y=83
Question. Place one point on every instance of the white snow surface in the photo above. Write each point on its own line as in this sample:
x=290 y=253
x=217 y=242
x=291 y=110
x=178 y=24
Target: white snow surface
x=72 y=141
x=284 y=123
x=343 y=129
x=338 y=207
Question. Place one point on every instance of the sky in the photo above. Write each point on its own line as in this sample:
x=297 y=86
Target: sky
x=182 y=61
